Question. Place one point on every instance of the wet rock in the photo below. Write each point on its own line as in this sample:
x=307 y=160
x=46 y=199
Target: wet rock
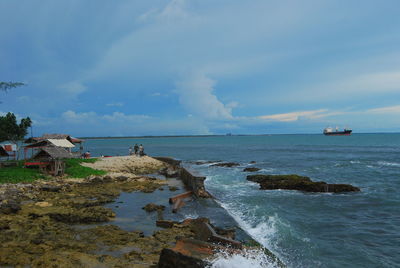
x=165 y=223
x=71 y=215
x=9 y=207
x=251 y=169
x=227 y=232
x=226 y=164
x=173 y=188
x=252 y=162
x=51 y=188
x=207 y=162
x=170 y=172
x=301 y=183
x=153 y=207
x=186 y=253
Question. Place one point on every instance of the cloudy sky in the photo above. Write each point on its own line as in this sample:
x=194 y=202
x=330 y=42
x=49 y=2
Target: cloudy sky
x=169 y=67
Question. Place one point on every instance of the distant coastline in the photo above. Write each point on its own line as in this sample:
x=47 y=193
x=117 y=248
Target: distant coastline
x=216 y=135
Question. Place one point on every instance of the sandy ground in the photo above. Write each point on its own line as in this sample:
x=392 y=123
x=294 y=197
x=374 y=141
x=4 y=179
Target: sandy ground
x=127 y=164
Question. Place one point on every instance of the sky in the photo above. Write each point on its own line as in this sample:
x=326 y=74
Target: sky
x=193 y=67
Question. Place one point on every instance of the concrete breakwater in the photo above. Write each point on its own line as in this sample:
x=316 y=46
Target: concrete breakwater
x=193 y=182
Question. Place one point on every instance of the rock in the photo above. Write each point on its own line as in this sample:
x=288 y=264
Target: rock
x=43 y=204
x=251 y=169
x=301 y=183
x=228 y=232
x=173 y=188
x=187 y=253
x=153 y=207
x=165 y=223
x=252 y=162
x=207 y=162
x=51 y=188
x=226 y=164
x=169 y=172
x=9 y=207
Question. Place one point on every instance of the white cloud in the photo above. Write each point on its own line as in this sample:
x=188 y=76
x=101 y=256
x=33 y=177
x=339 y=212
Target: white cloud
x=73 y=117
x=295 y=116
x=386 y=110
x=196 y=95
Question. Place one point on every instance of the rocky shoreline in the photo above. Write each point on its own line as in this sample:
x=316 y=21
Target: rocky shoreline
x=63 y=223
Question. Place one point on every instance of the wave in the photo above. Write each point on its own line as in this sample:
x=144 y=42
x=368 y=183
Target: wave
x=389 y=164
x=248 y=258
x=263 y=232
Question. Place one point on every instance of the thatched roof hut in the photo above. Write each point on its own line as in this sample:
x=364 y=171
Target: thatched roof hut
x=63 y=143
x=52 y=153
x=54 y=137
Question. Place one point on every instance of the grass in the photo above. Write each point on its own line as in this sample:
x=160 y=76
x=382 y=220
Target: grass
x=19 y=174
x=73 y=169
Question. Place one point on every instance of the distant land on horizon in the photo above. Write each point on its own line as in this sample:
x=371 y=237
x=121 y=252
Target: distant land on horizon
x=216 y=135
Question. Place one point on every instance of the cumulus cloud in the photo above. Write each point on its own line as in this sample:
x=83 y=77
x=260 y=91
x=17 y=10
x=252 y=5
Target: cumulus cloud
x=196 y=94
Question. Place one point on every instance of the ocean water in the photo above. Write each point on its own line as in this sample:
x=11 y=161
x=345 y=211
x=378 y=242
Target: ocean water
x=303 y=229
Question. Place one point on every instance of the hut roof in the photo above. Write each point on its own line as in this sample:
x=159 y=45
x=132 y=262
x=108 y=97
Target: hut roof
x=61 y=143
x=52 y=142
x=55 y=137
x=3 y=152
x=53 y=152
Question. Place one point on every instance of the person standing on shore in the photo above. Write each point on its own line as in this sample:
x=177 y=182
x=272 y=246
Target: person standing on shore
x=141 y=150
x=136 y=148
x=130 y=150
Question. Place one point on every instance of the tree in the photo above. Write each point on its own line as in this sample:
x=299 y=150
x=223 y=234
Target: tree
x=11 y=131
x=5 y=86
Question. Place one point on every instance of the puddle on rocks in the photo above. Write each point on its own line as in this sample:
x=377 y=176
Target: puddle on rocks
x=130 y=216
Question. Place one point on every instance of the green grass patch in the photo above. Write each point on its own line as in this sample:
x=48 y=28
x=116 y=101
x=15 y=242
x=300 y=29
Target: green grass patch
x=74 y=169
x=19 y=174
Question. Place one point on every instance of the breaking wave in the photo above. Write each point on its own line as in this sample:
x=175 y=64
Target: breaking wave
x=246 y=259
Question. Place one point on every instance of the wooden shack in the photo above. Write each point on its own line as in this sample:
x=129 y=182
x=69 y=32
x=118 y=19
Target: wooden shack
x=50 y=160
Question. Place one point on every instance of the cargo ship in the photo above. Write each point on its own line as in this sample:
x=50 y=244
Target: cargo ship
x=336 y=132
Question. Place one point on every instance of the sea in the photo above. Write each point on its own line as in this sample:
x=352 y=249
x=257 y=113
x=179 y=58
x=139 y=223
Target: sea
x=303 y=229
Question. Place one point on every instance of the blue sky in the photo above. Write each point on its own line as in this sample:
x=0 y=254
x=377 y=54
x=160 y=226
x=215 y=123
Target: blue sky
x=117 y=68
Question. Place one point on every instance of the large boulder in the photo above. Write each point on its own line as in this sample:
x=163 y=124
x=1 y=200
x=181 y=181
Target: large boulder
x=301 y=183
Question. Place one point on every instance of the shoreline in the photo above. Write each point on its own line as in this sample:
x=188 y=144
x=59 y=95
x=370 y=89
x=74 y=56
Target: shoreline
x=39 y=221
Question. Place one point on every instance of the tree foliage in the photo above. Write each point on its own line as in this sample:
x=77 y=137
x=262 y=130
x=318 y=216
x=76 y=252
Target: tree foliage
x=10 y=130
x=5 y=86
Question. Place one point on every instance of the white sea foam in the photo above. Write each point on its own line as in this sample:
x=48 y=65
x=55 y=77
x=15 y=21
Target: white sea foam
x=247 y=259
x=263 y=232
x=389 y=164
